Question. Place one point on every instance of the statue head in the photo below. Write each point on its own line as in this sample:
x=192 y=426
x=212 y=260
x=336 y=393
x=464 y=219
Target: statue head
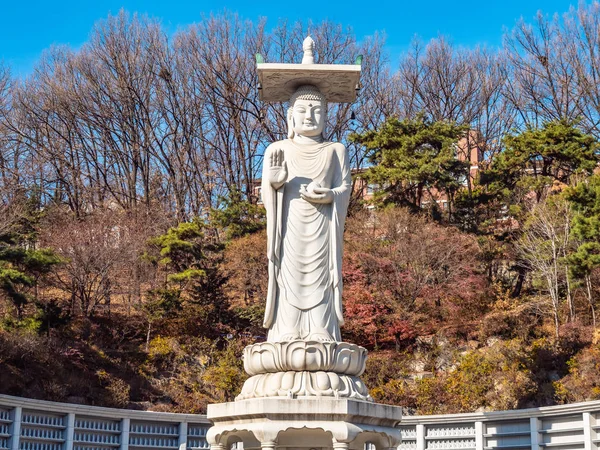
x=307 y=113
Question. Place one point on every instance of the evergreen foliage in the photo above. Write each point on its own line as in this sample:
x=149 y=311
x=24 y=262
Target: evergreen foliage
x=238 y=217
x=585 y=198
x=413 y=156
x=21 y=264
x=537 y=157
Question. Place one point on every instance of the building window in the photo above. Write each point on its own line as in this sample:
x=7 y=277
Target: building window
x=372 y=188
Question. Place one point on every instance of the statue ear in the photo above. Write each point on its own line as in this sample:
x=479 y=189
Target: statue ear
x=326 y=116
x=290 y=122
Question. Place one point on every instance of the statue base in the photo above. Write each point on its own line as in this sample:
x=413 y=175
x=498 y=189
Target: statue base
x=303 y=423
x=304 y=395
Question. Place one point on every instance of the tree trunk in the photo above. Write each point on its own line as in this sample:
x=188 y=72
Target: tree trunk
x=522 y=272
x=588 y=285
x=556 y=323
x=569 y=296
x=148 y=336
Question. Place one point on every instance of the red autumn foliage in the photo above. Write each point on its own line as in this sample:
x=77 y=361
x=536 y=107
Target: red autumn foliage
x=364 y=314
x=406 y=276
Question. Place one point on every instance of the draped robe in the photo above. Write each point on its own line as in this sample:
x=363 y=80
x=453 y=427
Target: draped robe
x=304 y=299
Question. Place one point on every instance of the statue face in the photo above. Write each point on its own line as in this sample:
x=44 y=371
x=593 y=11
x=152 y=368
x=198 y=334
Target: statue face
x=308 y=117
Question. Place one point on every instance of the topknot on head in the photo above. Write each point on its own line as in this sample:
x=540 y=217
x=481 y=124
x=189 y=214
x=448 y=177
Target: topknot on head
x=307 y=92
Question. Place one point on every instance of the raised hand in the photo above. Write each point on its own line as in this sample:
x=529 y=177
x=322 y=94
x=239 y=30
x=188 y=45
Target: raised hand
x=277 y=168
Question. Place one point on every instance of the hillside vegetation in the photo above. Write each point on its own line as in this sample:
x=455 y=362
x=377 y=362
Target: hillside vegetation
x=132 y=246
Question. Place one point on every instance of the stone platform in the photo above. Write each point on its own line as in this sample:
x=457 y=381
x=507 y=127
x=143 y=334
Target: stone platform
x=293 y=423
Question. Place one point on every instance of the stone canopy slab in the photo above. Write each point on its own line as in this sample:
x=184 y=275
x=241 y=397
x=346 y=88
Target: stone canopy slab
x=338 y=82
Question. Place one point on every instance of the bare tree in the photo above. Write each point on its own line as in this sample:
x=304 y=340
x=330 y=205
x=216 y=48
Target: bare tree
x=543 y=246
x=456 y=84
x=554 y=67
x=100 y=253
x=132 y=118
x=582 y=48
x=220 y=52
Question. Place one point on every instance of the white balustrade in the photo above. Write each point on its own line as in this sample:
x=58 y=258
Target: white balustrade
x=27 y=424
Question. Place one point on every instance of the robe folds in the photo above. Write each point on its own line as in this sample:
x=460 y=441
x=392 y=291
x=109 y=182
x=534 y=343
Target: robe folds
x=304 y=243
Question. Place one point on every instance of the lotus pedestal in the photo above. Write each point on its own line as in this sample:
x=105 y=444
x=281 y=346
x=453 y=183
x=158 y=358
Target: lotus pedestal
x=304 y=395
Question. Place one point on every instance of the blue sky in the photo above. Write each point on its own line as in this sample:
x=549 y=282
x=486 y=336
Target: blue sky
x=29 y=27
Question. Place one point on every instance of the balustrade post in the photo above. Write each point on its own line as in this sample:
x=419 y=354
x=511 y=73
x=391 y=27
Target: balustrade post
x=16 y=428
x=534 y=425
x=70 y=431
x=478 y=435
x=183 y=435
x=125 y=423
x=587 y=431
x=420 y=428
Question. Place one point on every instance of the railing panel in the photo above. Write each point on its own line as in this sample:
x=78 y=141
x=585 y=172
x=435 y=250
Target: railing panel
x=457 y=436
x=508 y=435
x=97 y=434
x=562 y=432
x=196 y=437
x=409 y=438
x=42 y=431
x=153 y=435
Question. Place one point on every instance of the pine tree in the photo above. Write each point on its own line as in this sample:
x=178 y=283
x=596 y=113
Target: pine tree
x=585 y=197
x=21 y=264
x=536 y=158
x=236 y=216
x=193 y=284
x=411 y=157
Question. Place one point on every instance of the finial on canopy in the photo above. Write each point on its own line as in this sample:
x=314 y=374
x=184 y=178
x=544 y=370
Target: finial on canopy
x=308 y=46
x=277 y=82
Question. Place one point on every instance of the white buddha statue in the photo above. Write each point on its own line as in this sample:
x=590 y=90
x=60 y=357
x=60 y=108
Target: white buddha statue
x=306 y=186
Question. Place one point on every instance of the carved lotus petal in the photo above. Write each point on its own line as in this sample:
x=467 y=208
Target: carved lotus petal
x=287 y=381
x=322 y=381
x=338 y=357
x=313 y=359
x=304 y=384
x=268 y=361
x=297 y=359
x=334 y=380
